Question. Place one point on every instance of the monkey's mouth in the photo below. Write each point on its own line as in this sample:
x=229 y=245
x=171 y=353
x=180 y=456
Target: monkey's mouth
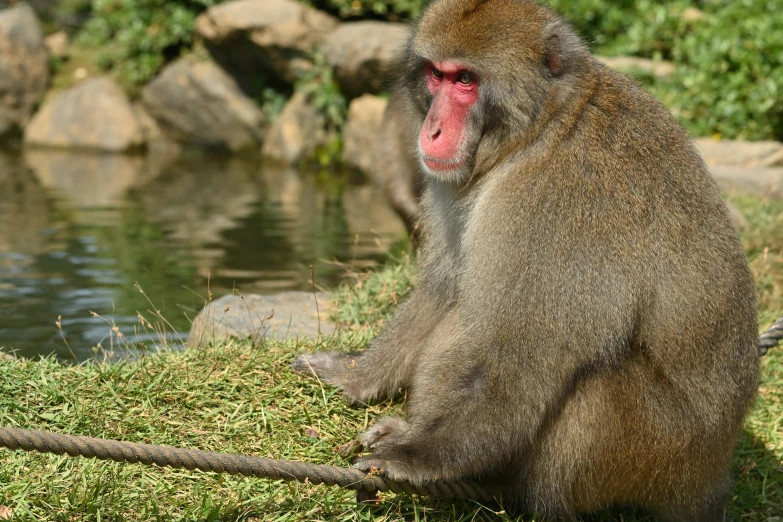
x=441 y=164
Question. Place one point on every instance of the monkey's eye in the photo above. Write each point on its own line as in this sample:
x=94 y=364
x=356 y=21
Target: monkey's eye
x=465 y=78
x=436 y=73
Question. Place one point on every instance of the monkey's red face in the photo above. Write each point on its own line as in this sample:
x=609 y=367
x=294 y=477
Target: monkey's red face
x=443 y=138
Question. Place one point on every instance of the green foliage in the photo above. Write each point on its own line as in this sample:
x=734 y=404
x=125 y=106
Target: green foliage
x=138 y=36
x=389 y=9
x=729 y=79
x=319 y=85
x=643 y=28
x=730 y=76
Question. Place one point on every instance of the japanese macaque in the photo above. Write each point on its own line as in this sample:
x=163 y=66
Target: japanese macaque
x=583 y=331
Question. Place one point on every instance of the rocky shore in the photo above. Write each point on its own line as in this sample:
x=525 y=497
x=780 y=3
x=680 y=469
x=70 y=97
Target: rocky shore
x=209 y=100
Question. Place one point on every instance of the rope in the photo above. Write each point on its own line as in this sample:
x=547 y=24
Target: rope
x=348 y=478
x=770 y=337
x=118 y=451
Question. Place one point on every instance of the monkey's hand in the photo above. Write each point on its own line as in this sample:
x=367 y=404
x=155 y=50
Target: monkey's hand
x=386 y=441
x=332 y=368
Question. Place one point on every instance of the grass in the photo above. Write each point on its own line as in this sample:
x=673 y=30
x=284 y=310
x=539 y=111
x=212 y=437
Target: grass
x=243 y=398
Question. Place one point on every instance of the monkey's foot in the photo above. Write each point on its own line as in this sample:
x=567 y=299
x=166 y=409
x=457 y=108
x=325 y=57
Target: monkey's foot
x=390 y=454
x=324 y=365
x=394 y=470
x=335 y=369
x=385 y=432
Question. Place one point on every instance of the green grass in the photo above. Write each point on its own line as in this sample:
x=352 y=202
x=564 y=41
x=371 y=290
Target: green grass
x=239 y=398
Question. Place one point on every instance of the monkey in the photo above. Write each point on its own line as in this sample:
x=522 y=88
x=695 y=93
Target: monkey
x=396 y=168
x=583 y=330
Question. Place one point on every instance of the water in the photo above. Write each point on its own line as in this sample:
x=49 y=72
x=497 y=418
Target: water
x=78 y=231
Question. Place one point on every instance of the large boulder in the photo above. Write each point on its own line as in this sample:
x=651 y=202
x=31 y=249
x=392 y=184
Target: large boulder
x=741 y=153
x=263 y=41
x=360 y=135
x=297 y=133
x=24 y=66
x=766 y=182
x=282 y=316
x=362 y=53
x=197 y=103
x=95 y=115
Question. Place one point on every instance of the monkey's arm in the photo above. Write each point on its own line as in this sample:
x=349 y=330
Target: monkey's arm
x=487 y=390
x=387 y=366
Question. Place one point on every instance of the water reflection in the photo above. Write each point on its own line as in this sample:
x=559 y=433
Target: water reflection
x=78 y=230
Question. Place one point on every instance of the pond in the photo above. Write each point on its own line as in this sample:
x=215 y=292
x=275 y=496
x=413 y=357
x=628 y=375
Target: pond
x=99 y=239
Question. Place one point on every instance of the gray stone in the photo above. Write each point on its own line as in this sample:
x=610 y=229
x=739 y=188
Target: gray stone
x=197 y=103
x=57 y=44
x=361 y=54
x=95 y=115
x=297 y=133
x=767 y=182
x=730 y=153
x=24 y=66
x=365 y=115
x=283 y=316
x=263 y=41
x=630 y=64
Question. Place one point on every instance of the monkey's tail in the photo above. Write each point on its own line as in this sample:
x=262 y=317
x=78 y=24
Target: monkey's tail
x=119 y=451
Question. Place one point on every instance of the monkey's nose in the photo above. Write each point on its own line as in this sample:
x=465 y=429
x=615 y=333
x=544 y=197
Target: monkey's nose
x=433 y=135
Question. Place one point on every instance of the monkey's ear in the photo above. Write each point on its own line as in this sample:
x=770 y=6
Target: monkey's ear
x=553 y=55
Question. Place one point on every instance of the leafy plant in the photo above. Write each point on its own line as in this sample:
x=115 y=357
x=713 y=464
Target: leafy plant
x=730 y=76
x=319 y=85
x=388 y=9
x=729 y=57
x=139 y=36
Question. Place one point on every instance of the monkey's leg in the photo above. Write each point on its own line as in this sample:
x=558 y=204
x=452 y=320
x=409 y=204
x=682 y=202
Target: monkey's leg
x=386 y=368
x=460 y=425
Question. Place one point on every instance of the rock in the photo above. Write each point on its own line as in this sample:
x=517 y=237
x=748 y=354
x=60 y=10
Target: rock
x=267 y=40
x=741 y=153
x=297 y=133
x=95 y=114
x=87 y=179
x=361 y=54
x=24 y=66
x=57 y=44
x=365 y=115
x=691 y=14
x=197 y=103
x=282 y=316
x=630 y=64
x=765 y=182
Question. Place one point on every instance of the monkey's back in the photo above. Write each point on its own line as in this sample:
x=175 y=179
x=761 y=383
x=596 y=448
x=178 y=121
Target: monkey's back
x=657 y=277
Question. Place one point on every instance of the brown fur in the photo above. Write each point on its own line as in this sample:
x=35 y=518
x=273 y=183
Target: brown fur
x=584 y=328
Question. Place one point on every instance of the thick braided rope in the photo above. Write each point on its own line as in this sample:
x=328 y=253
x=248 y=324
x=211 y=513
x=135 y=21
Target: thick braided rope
x=770 y=337
x=162 y=456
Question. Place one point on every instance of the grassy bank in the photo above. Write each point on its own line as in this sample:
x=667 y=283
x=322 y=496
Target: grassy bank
x=239 y=398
